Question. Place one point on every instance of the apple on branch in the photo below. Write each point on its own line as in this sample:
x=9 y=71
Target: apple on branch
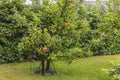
x=45 y=49
x=32 y=41
x=53 y=31
x=68 y=27
x=66 y=24
x=73 y=1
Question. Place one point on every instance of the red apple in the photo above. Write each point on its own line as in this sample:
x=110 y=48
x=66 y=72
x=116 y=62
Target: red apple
x=45 y=49
x=53 y=31
x=32 y=41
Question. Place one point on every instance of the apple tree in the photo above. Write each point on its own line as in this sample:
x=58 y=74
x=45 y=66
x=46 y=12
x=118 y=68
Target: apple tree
x=54 y=34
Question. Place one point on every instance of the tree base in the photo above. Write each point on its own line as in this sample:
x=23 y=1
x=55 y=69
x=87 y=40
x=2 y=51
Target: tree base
x=38 y=72
x=51 y=72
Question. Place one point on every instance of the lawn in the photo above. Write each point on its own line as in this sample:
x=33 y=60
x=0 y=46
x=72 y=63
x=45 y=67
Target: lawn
x=82 y=69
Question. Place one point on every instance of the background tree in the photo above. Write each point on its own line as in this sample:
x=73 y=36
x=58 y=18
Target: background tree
x=13 y=25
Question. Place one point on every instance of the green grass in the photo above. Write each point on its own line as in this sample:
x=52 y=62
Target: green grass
x=82 y=69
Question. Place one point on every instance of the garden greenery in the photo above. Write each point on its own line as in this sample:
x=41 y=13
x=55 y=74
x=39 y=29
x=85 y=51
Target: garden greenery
x=67 y=29
x=114 y=72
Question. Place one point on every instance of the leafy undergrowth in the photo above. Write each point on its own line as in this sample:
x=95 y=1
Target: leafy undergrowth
x=82 y=69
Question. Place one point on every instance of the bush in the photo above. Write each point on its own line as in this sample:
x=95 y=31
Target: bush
x=12 y=27
x=114 y=72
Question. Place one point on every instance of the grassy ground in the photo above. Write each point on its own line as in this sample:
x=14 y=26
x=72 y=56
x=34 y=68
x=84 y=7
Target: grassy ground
x=82 y=69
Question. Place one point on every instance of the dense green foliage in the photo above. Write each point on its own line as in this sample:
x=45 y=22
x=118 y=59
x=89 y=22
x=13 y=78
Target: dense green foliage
x=103 y=30
x=71 y=29
x=12 y=27
x=114 y=72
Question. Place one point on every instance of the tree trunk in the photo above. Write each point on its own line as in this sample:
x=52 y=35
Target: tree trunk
x=42 y=56
x=48 y=65
x=43 y=65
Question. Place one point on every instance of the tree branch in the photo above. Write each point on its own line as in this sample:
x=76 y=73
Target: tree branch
x=65 y=5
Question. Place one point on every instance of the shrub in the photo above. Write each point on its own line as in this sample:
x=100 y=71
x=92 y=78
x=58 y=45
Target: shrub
x=114 y=72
